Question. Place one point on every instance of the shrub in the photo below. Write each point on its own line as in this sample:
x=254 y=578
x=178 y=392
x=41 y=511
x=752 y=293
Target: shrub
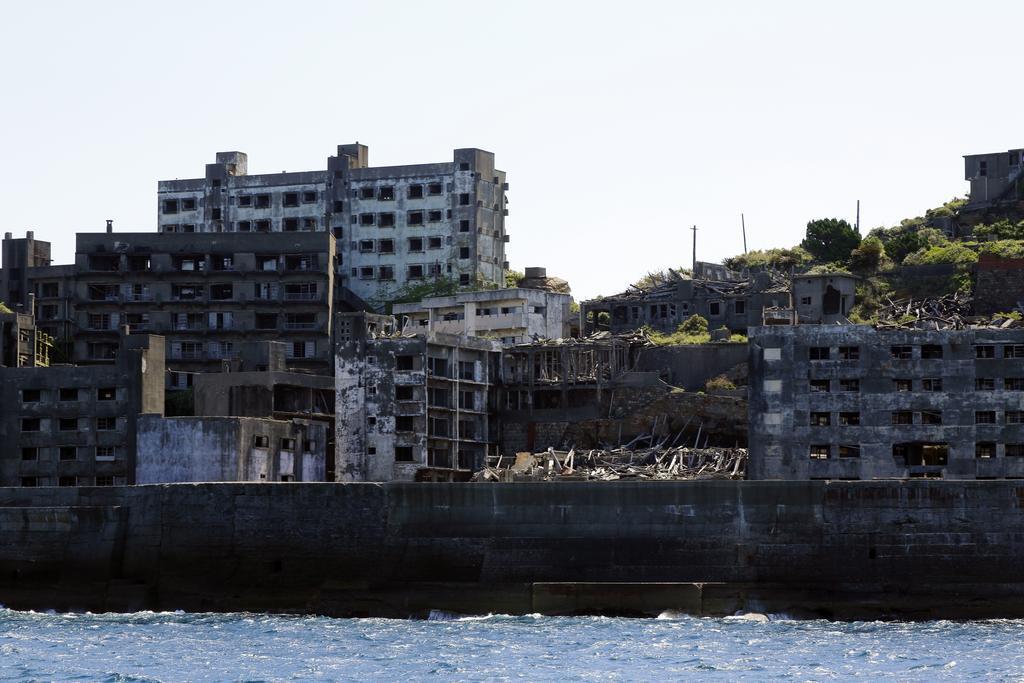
x=720 y=383
x=780 y=259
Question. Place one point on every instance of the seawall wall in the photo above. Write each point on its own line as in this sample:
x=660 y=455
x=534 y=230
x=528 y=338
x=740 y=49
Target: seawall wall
x=893 y=548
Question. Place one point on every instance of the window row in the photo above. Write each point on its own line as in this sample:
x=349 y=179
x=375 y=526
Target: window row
x=69 y=424
x=386 y=193
x=387 y=219
x=285 y=444
x=65 y=453
x=919 y=454
x=909 y=352
x=415 y=271
x=414 y=244
x=100 y=480
x=68 y=394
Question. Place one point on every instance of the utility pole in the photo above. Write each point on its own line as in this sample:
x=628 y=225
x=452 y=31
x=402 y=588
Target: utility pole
x=858 y=215
x=743 y=222
x=693 y=272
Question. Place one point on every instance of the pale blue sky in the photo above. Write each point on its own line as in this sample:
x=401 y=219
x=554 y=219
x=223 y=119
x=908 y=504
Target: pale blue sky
x=619 y=124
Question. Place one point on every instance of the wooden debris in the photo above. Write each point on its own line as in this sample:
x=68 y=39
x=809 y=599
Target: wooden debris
x=625 y=462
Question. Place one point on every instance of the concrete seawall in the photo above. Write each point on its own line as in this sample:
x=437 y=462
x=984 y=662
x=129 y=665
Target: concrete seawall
x=843 y=549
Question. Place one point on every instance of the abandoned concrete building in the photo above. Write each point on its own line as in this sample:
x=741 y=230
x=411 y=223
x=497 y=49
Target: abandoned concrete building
x=994 y=177
x=606 y=389
x=395 y=225
x=823 y=299
x=22 y=344
x=199 y=449
x=18 y=257
x=736 y=303
x=512 y=316
x=208 y=294
x=77 y=425
x=414 y=407
x=854 y=402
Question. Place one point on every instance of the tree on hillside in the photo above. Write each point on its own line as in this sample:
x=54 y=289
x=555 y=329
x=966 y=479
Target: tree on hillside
x=907 y=238
x=830 y=239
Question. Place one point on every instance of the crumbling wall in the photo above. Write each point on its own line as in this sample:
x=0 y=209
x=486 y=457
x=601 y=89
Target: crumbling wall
x=1000 y=286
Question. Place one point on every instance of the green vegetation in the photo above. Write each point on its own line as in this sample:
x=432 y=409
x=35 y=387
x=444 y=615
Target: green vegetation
x=720 y=383
x=1009 y=248
x=655 y=278
x=4 y=309
x=780 y=259
x=830 y=239
x=693 y=330
x=513 y=278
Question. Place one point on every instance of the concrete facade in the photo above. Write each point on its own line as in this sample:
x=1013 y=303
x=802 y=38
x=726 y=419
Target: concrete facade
x=409 y=405
x=823 y=299
x=852 y=402
x=204 y=449
x=17 y=258
x=994 y=177
x=736 y=305
x=208 y=294
x=77 y=426
x=22 y=344
x=999 y=285
x=395 y=225
x=513 y=315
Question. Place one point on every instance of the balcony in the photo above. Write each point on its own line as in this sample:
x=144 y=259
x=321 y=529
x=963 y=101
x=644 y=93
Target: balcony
x=301 y=296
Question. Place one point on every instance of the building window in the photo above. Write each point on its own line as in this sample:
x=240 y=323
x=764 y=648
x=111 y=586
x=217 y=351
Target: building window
x=339 y=206
x=819 y=452
x=68 y=453
x=290 y=225
x=1014 y=417
x=1015 y=450
x=30 y=424
x=464 y=199
x=931 y=351
x=366 y=273
x=415 y=244
x=260 y=441
x=414 y=218
x=1013 y=351
x=849 y=419
x=68 y=395
x=902 y=417
x=104 y=453
x=415 y=272
x=262 y=226
x=984 y=450
x=1013 y=384
x=245 y=200
x=263 y=201
x=415 y=192
x=31 y=395
x=106 y=424
x=106 y=394
x=403 y=454
x=715 y=308
x=464 y=279
x=739 y=306
x=818 y=353
x=903 y=385
x=188 y=204
x=170 y=206
x=68 y=424
x=29 y=482
x=849 y=451
x=984 y=384
x=104 y=480
x=435 y=189
x=985 y=417
x=901 y=352
x=464 y=226
x=819 y=386
x=463 y=253
x=287 y=444
x=29 y=453
x=386 y=246
x=849 y=353
x=386 y=193
x=366 y=219
x=309 y=196
x=404 y=393
x=849 y=385
x=385 y=220
x=931 y=417
x=367 y=193
x=67 y=481
x=365 y=246
x=931 y=384
x=386 y=273
x=433 y=216
x=805 y=301
x=821 y=419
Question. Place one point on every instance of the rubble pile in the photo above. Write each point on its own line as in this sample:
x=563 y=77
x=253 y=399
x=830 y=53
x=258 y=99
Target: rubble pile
x=624 y=463
x=948 y=312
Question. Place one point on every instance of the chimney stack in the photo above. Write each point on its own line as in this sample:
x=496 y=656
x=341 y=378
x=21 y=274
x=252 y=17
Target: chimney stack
x=110 y=225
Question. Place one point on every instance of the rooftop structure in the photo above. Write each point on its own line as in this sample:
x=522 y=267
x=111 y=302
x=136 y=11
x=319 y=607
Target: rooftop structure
x=995 y=177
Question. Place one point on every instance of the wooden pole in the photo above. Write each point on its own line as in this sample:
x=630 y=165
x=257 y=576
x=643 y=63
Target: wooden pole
x=743 y=222
x=693 y=272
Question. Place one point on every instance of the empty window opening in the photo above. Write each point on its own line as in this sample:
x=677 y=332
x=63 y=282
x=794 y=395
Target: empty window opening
x=819 y=451
x=931 y=384
x=849 y=353
x=818 y=353
x=931 y=417
x=902 y=417
x=918 y=454
x=434 y=216
x=901 y=352
x=821 y=419
x=931 y=351
x=849 y=385
x=849 y=419
x=1014 y=417
x=68 y=453
x=1013 y=384
x=403 y=454
x=366 y=219
x=415 y=244
x=831 y=302
x=985 y=417
x=849 y=451
x=1013 y=351
x=985 y=450
x=263 y=201
x=415 y=192
x=385 y=220
x=984 y=384
x=386 y=193
x=903 y=385
x=415 y=218
x=819 y=386
x=290 y=199
x=435 y=189
x=386 y=246
x=1014 y=450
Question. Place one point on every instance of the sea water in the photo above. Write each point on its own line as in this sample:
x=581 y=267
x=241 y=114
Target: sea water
x=228 y=647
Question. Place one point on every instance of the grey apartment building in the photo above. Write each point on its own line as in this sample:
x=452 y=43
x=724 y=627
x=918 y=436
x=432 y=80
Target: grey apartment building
x=995 y=176
x=395 y=225
x=207 y=295
x=77 y=425
x=853 y=402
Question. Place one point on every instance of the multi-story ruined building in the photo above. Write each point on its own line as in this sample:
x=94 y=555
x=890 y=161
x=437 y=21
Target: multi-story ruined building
x=994 y=177
x=76 y=426
x=396 y=225
x=853 y=402
x=18 y=258
x=414 y=407
x=22 y=344
x=208 y=294
x=735 y=303
x=512 y=316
